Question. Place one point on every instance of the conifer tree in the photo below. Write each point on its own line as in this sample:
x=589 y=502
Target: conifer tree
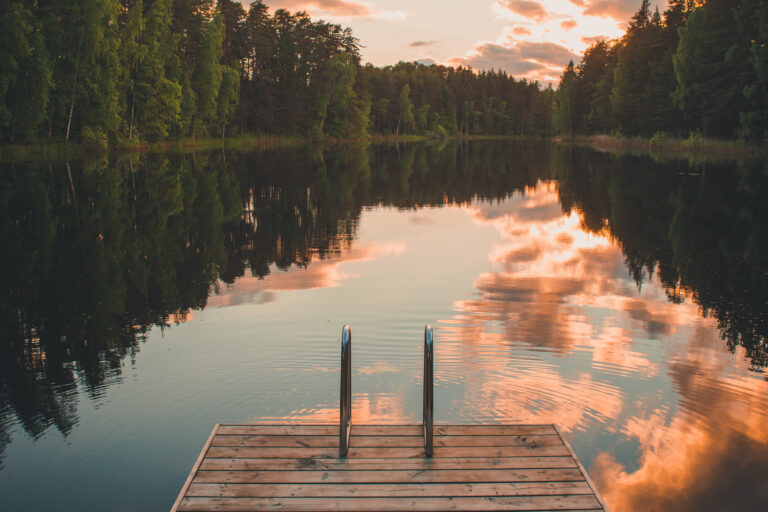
x=405 y=119
x=25 y=73
x=710 y=68
x=563 y=114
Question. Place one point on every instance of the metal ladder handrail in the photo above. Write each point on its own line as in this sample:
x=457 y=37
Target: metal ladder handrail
x=345 y=420
x=429 y=403
x=345 y=409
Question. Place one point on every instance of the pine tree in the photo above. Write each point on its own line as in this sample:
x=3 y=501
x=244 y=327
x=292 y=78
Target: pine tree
x=563 y=113
x=633 y=68
x=25 y=74
x=405 y=117
x=207 y=77
x=710 y=68
x=752 y=26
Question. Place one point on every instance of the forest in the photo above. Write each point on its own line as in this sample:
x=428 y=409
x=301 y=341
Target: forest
x=124 y=72
x=697 y=69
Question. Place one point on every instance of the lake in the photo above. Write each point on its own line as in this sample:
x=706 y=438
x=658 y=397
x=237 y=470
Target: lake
x=145 y=298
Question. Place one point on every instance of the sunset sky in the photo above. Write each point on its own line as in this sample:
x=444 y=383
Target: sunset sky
x=527 y=38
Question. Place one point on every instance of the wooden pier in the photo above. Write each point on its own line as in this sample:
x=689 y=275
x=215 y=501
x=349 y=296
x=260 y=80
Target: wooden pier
x=473 y=468
x=387 y=468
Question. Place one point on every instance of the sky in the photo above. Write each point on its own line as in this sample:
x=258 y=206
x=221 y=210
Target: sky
x=527 y=38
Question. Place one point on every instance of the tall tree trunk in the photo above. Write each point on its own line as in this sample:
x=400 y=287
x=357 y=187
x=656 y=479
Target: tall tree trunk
x=74 y=84
x=133 y=108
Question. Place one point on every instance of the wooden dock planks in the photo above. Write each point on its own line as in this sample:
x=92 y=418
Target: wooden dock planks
x=474 y=468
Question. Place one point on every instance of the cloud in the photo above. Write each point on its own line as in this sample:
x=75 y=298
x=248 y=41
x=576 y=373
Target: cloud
x=497 y=56
x=526 y=8
x=422 y=43
x=427 y=61
x=337 y=8
x=688 y=455
x=521 y=31
x=568 y=24
x=319 y=273
x=594 y=39
x=538 y=60
x=620 y=10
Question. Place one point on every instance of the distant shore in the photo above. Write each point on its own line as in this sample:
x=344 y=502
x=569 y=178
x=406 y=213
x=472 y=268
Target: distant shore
x=58 y=151
x=695 y=144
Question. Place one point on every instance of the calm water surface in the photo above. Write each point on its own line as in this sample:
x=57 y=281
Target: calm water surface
x=146 y=298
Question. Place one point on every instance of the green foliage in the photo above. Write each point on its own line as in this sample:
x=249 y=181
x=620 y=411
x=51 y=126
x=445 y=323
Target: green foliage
x=94 y=140
x=710 y=67
x=564 y=111
x=694 y=141
x=405 y=118
x=696 y=66
x=26 y=77
x=150 y=70
x=207 y=77
x=659 y=139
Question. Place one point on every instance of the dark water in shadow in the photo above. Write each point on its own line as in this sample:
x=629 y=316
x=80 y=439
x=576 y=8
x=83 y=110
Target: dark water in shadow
x=145 y=298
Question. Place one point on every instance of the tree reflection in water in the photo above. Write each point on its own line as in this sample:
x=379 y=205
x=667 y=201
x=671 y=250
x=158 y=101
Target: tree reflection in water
x=96 y=253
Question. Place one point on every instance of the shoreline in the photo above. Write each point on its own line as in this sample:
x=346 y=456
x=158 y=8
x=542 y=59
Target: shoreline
x=60 y=151
x=692 y=146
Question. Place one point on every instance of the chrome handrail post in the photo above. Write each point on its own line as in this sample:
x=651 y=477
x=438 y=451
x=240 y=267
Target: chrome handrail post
x=345 y=408
x=428 y=389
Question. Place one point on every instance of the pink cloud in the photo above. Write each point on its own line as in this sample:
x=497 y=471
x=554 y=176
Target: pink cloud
x=319 y=273
x=343 y=8
x=569 y=24
x=620 y=10
x=521 y=31
x=521 y=58
x=526 y=8
x=427 y=61
x=594 y=39
x=422 y=43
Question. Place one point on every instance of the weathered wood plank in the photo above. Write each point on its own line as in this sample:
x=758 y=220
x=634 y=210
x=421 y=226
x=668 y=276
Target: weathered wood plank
x=475 y=468
x=279 y=430
x=387 y=490
x=459 y=504
x=389 y=430
x=380 y=477
x=393 y=453
x=384 y=441
x=366 y=464
x=494 y=430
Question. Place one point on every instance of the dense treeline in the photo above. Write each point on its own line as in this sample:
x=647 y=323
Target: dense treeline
x=97 y=253
x=105 y=71
x=412 y=98
x=703 y=237
x=698 y=67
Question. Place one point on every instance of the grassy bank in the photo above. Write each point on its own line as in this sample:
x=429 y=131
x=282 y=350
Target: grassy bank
x=243 y=142
x=21 y=152
x=18 y=152
x=693 y=145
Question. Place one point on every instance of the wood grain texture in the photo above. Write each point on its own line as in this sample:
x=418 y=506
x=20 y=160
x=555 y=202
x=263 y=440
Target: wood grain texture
x=235 y=464
x=532 y=450
x=295 y=468
x=384 y=441
x=394 y=490
x=388 y=476
x=390 y=504
x=389 y=430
